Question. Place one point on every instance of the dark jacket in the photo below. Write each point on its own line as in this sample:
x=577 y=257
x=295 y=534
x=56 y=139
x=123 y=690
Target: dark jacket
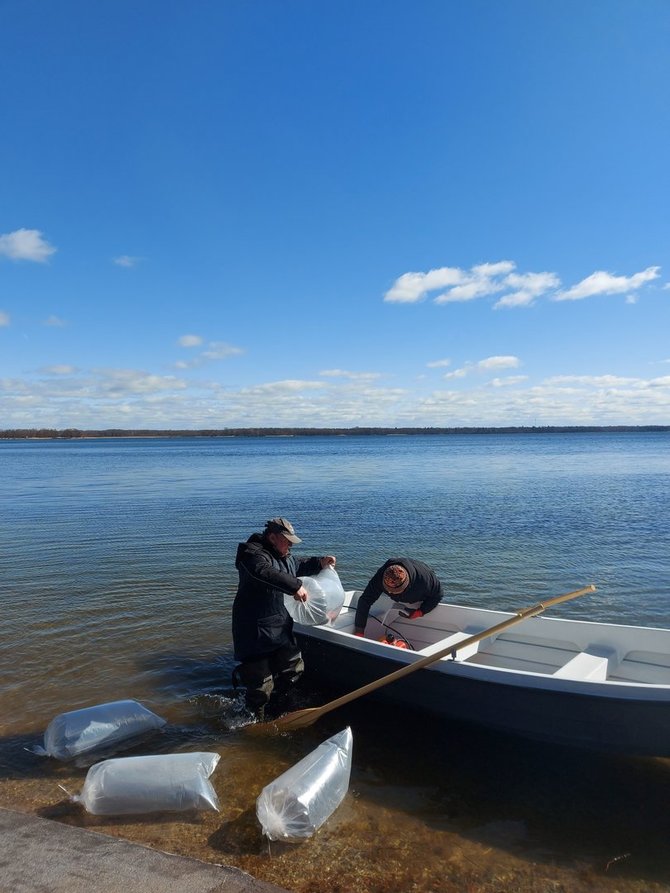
x=423 y=587
x=261 y=623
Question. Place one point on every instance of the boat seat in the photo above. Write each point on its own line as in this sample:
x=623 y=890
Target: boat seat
x=454 y=639
x=585 y=665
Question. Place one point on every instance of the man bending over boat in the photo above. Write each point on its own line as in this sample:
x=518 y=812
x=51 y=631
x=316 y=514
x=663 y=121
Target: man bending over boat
x=262 y=627
x=408 y=582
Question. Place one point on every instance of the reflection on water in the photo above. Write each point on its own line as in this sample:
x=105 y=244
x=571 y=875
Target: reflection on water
x=117 y=577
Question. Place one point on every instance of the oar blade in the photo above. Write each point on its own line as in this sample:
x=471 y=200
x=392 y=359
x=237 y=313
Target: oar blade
x=299 y=719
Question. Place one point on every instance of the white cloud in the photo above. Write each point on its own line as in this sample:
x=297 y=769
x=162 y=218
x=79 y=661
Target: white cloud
x=133 y=381
x=140 y=399
x=220 y=350
x=458 y=285
x=4 y=318
x=459 y=373
x=528 y=287
x=287 y=386
x=412 y=287
x=483 y=279
x=505 y=362
x=26 y=244
x=439 y=364
x=508 y=381
x=60 y=369
x=602 y=283
x=127 y=261
x=352 y=376
x=486 y=365
x=55 y=322
x=595 y=381
x=518 y=289
x=189 y=341
x=216 y=350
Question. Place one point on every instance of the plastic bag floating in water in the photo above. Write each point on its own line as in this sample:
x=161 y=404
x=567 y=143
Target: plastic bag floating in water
x=299 y=801
x=70 y=734
x=133 y=785
x=324 y=601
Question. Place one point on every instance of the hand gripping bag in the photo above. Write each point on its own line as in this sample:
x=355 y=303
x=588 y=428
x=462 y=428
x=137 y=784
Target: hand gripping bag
x=70 y=734
x=299 y=801
x=133 y=785
x=325 y=597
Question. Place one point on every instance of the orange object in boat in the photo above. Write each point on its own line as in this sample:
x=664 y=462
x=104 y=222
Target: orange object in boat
x=390 y=639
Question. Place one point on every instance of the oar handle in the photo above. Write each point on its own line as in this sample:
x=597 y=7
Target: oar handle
x=452 y=649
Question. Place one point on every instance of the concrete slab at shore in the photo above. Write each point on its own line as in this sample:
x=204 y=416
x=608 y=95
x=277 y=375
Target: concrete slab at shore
x=42 y=856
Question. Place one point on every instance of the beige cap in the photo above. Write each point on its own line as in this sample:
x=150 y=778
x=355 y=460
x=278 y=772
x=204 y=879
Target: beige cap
x=281 y=525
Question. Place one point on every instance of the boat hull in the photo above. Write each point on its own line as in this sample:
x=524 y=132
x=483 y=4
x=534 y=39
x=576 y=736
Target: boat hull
x=574 y=718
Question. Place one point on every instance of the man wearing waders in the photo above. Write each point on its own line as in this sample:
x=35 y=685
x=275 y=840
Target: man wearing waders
x=265 y=645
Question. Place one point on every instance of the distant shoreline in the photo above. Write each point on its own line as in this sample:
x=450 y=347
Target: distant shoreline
x=82 y=434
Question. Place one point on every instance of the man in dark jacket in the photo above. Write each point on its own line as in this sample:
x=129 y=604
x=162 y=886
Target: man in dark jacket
x=405 y=580
x=262 y=627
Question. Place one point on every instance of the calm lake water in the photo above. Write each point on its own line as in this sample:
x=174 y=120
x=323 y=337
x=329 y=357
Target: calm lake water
x=117 y=580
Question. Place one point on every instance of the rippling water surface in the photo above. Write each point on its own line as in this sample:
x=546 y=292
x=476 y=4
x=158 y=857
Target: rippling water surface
x=117 y=579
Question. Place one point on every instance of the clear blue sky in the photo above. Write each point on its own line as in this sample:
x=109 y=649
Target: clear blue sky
x=334 y=213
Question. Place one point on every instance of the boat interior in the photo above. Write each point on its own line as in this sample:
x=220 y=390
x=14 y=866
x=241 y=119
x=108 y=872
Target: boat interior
x=564 y=649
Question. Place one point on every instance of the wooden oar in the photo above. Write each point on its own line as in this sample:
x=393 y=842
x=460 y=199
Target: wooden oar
x=300 y=719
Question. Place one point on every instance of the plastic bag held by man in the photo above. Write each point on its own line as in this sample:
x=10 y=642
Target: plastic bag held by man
x=325 y=597
x=299 y=801
x=70 y=734
x=135 y=785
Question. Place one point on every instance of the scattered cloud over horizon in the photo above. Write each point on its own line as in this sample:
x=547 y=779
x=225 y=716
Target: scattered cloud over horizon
x=60 y=369
x=127 y=261
x=26 y=244
x=352 y=376
x=190 y=341
x=487 y=365
x=215 y=350
x=55 y=322
x=62 y=396
x=515 y=289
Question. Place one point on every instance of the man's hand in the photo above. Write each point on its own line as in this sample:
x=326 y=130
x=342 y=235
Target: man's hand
x=328 y=561
x=300 y=595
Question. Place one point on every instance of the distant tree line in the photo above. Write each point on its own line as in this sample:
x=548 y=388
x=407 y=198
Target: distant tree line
x=76 y=433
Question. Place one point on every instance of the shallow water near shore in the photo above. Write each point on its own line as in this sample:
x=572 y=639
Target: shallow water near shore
x=117 y=581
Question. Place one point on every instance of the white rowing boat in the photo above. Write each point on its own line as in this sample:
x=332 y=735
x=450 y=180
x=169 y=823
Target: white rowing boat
x=598 y=685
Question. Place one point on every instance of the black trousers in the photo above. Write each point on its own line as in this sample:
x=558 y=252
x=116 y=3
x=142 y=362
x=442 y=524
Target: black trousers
x=274 y=672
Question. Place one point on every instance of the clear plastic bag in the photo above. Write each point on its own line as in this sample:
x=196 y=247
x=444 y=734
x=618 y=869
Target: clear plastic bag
x=298 y=802
x=325 y=597
x=312 y=612
x=133 y=785
x=70 y=734
x=329 y=581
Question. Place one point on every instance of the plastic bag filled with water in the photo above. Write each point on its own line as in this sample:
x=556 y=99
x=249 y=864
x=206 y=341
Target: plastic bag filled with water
x=329 y=581
x=298 y=802
x=325 y=597
x=70 y=734
x=134 y=785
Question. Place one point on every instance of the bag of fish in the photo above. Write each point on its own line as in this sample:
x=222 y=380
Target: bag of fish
x=325 y=597
x=329 y=581
x=80 y=731
x=134 y=785
x=296 y=804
